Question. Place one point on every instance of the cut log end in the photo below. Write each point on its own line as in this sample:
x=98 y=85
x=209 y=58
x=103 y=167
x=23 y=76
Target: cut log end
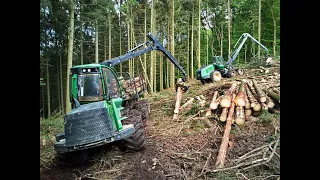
x=257 y=107
x=239 y=121
x=263 y=99
x=208 y=113
x=248 y=112
x=270 y=104
x=241 y=102
x=225 y=103
x=247 y=106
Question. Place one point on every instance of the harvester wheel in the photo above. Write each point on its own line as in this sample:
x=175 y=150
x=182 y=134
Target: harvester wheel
x=232 y=73
x=240 y=71
x=144 y=107
x=136 y=141
x=215 y=76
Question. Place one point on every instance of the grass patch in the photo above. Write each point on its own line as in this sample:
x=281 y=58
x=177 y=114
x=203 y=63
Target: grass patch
x=267 y=117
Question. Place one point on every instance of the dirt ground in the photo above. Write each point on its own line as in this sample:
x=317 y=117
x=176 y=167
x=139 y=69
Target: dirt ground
x=183 y=149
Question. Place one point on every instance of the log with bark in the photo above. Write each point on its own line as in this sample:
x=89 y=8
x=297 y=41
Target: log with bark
x=250 y=86
x=276 y=90
x=248 y=105
x=185 y=105
x=266 y=71
x=178 y=101
x=209 y=112
x=240 y=116
x=264 y=106
x=273 y=95
x=240 y=99
x=247 y=112
x=223 y=115
x=259 y=92
x=269 y=102
x=225 y=138
x=226 y=99
x=253 y=102
x=215 y=103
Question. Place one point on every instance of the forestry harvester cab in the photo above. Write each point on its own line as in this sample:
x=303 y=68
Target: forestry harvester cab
x=219 y=68
x=106 y=106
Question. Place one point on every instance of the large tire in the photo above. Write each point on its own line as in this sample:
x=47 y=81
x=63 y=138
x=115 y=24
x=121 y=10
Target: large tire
x=136 y=141
x=144 y=107
x=231 y=73
x=240 y=71
x=215 y=76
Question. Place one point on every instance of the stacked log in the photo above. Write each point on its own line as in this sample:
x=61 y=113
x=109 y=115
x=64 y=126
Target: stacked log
x=133 y=86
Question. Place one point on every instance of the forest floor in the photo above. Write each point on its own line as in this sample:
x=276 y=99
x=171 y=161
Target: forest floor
x=182 y=149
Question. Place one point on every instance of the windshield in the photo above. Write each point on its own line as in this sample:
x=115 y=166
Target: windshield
x=218 y=60
x=89 y=87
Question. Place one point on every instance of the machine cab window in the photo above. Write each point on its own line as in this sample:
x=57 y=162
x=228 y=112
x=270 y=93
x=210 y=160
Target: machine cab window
x=89 y=85
x=112 y=83
x=218 y=60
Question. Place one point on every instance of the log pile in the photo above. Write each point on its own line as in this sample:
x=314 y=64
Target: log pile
x=136 y=85
x=241 y=101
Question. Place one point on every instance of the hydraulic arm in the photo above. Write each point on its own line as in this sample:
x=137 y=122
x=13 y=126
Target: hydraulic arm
x=245 y=36
x=153 y=44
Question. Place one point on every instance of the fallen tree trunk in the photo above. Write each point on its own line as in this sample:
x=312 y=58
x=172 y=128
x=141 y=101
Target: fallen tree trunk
x=276 y=90
x=226 y=99
x=209 y=112
x=252 y=99
x=253 y=91
x=178 y=101
x=260 y=93
x=185 y=105
x=264 y=106
x=248 y=105
x=216 y=102
x=273 y=95
x=247 y=112
x=225 y=139
x=269 y=102
x=223 y=115
x=240 y=99
x=240 y=118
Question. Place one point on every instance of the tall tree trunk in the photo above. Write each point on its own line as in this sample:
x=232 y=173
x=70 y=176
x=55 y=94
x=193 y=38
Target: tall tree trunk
x=58 y=87
x=105 y=46
x=274 y=32
x=207 y=38
x=145 y=40
x=128 y=40
x=48 y=89
x=97 y=43
x=199 y=37
x=259 y=28
x=81 y=46
x=229 y=27
x=172 y=43
x=132 y=42
x=188 y=52
x=253 y=43
x=61 y=85
x=42 y=95
x=168 y=47
x=155 y=72
x=109 y=36
x=161 y=62
x=70 y=52
x=192 y=73
x=120 y=38
x=152 y=52
x=221 y=47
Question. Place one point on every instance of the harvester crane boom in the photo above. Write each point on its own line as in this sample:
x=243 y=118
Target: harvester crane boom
x=153 y=45
x=234 y=54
